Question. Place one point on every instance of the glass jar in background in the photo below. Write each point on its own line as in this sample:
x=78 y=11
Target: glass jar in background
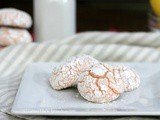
x=54 y=19
x=154 y=16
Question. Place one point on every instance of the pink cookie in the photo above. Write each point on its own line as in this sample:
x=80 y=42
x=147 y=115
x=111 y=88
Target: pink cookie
x=94 y=84
x=65 y=75
x=130 y=78
x=11 y=36
x=15 y=18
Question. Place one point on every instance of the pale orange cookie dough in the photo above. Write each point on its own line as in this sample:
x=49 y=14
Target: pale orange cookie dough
x=15 y=18
x=65 y=75
x=94 y=84
x=115 y=78
x=130 y=77
x=11 y=36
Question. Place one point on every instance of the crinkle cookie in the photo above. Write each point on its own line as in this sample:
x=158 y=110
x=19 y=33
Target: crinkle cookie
x=131 y=79
x=65 y=75
x=94 y=84
x=15 y=18
x=11 y=36
x=103 y=82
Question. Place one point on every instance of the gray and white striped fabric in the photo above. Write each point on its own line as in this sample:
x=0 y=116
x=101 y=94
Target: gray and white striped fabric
x=104 y=46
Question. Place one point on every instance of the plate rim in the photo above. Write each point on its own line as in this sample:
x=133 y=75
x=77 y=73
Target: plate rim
x=74 y=113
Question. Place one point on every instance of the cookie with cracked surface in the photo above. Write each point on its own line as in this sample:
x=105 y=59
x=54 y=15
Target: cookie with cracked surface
x=11 y=36
x=65 y=75
x=15 y=18
x=94 y=84
x=130 y=77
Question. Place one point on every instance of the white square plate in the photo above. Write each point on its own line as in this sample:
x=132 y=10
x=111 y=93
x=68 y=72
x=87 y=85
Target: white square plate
x=36 y=97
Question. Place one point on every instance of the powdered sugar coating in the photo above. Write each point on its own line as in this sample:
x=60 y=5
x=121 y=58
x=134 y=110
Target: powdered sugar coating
x=115 y=78
x=11 y=36
x=14 y=17
x=96 y=86
x=98 y=70
x=66 y=74
x=131 y=79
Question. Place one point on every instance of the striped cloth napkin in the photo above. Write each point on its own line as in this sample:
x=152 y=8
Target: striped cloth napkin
x=104 y=46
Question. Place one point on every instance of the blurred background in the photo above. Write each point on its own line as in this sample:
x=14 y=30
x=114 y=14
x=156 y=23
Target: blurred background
x=112 y=15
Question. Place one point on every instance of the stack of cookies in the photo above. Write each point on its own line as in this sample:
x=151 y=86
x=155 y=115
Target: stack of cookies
x=13 y=27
